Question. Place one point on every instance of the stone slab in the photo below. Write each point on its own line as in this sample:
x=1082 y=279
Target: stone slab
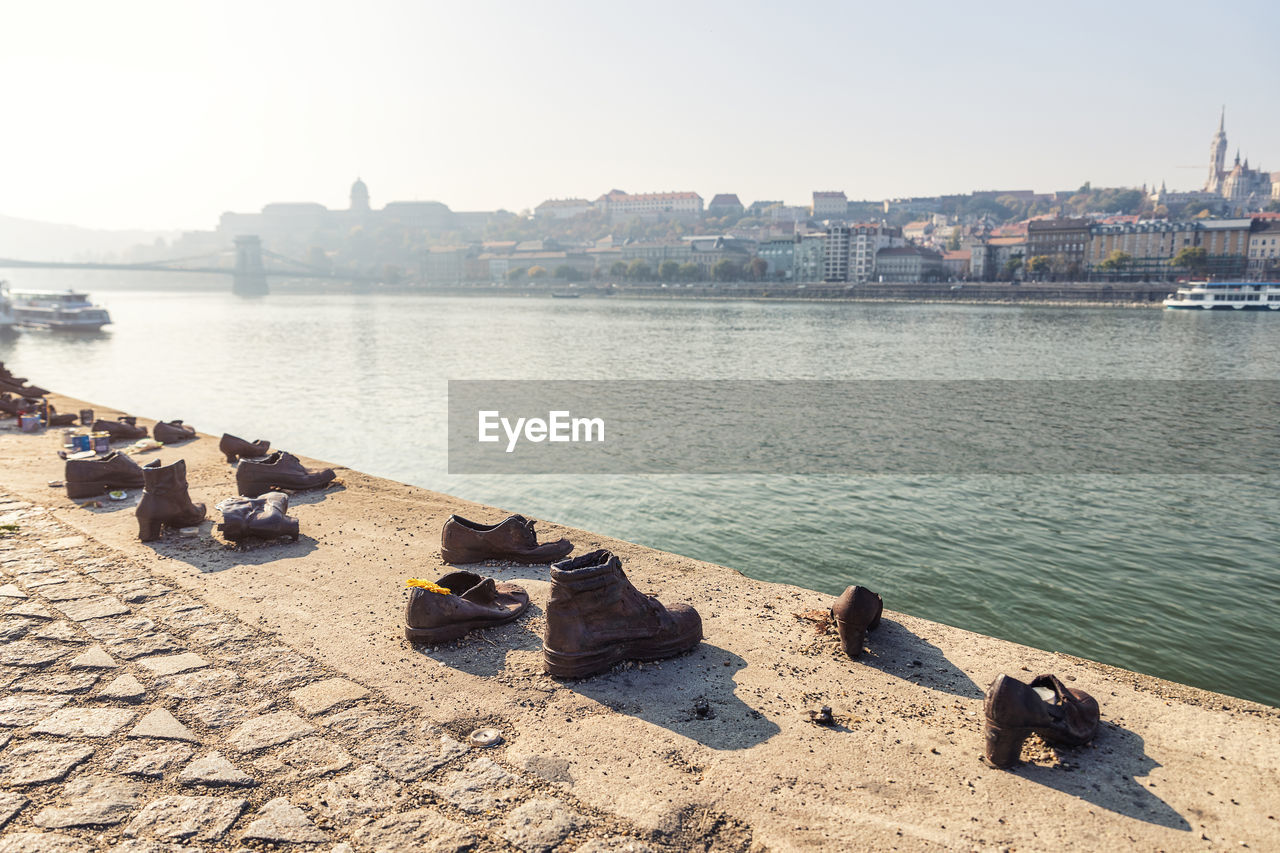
x=69 y=591
x=218 y=712
x=180 y=818
x=11 y=802
x=43 y=842
x=479 y=787
x=85 y=609
x=31 y=653
x=539 y=825
x=148 y=758
x=172 y=664
x=214 y=770
x=24 y=710
x=34 y=762
x=365 y=791
x=93 y=658
x=31 y=610
x=268 y=730
x=85 y=722
x=11 y=591
x=58 y=682
x=405 y=755
x=161 y=724
x=64 y=543
x=421 y=830
x=281 y=821
x=323 y=695
x=125 y=688
x=90 y=801
x=308 y=758
x=199 y=684
x=60 y=631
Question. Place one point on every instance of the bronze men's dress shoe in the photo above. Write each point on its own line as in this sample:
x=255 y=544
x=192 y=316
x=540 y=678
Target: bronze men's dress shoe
x=856 y=612
x=280 y=470
x=512 y=539
x=123 y=429
x=233 y=447
x=171 y=432
x=87 y=478
x=1046 y=707
x=457 y=603
x=596 y=618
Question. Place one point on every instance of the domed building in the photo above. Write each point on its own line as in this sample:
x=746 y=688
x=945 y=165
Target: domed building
x=359 y=197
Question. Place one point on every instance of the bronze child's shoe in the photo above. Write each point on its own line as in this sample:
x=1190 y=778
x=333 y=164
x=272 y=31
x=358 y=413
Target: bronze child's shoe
x=171 y=432
x=457 y=603
x=280 y=470
x=234 y=448
x=165 y=501
x=1046 y=707
x=856 y=612
x=87 y=478
x=596 y=618
x=512 y=539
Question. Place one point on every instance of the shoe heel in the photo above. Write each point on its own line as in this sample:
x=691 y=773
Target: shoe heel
x=148 y=529
x=231 y=458
x=1004 y=746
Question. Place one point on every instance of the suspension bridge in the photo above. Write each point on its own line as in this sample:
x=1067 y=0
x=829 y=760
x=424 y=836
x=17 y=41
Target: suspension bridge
x=245 y=264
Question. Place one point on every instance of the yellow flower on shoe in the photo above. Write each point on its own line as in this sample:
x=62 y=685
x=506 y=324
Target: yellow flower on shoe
x=429 y=586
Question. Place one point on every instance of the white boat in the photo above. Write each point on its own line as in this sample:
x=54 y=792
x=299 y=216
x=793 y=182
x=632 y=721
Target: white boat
x=7 y=320
x=1226 y=295
x=62 y=311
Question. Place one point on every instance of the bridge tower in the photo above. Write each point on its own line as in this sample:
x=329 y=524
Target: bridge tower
x=250 y=277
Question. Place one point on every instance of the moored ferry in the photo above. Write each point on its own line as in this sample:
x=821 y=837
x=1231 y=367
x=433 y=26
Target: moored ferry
x=7 y=320
x=1226 y=295
x=62 y=311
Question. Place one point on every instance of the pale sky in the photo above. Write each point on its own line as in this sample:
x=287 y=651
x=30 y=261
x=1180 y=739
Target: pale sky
x=164 y=115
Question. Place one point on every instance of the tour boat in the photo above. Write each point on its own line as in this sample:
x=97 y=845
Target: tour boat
x=1226 y=295
x=62 y=311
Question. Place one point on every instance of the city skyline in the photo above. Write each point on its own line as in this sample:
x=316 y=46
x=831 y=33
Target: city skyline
x=183 y=112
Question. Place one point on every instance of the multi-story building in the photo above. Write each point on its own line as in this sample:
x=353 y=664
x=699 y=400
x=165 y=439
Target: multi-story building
x=830 y=205
x=908 y=264
x=1151 y=245
x=725 y=204
x=1264 y=250
x=620 y=206
x=1063 y=241
x=808 y=261
x=563 y=208
x=996 y=258
x=780 y=256
x=850 y=251
x=655 y=253
x=707 y=251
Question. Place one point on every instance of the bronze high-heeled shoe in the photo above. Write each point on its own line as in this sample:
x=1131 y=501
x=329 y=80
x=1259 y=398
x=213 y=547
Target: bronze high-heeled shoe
x=1046 y=707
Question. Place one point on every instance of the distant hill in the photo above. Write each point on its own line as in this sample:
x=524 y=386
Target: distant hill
x=26 y=239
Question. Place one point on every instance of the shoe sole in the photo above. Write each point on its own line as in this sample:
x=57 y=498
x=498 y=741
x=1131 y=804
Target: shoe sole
x=583 y=664
x=445 y=633
x=457 y=559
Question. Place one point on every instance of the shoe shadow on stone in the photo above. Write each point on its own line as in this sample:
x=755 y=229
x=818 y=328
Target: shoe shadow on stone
x=896 y=651
x=511 y=649
x=212 y=554
x=692 y=695
x=313 y=496
x=1106 y=773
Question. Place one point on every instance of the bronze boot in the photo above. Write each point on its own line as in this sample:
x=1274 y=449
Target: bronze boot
x=87 y=478
x=856 y=612
x=234 y=448
x=1046 y=707
x=165 y=501
x=266 y=517
x=512 y=539
x=171 y=432
x=280 y=470
x=596 y=618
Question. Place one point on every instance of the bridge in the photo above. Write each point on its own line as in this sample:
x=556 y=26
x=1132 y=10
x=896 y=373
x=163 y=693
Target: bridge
x=249 y=272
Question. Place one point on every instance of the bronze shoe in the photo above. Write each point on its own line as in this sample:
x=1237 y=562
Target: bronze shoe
x=171 y=432
x=266 y=517
x=1046 y=707
x=165 y=501
x=280 y=470
x=596 y=618
x=469 y=602
x=512 y=539
x=856 y=612
x=234 y=448
x=87 y=478
x=120 y=430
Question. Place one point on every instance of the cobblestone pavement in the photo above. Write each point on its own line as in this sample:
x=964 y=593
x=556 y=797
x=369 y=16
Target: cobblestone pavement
x=136 y=718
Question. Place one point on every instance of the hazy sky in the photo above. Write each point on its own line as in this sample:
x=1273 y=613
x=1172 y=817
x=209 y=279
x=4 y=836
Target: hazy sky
x=163 y=115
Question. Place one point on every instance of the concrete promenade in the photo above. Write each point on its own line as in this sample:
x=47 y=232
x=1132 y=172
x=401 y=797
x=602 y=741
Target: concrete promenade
x=190 y=694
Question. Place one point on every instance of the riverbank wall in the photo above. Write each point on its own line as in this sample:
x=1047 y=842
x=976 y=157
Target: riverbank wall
x=713 y=750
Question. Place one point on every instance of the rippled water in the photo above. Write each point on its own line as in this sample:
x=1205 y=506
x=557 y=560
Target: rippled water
x=1171 y=575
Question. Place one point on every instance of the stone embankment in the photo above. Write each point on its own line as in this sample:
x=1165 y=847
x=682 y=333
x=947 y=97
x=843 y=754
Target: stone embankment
x=191 y=694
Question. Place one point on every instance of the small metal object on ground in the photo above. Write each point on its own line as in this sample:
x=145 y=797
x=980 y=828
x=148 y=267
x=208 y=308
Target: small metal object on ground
x=823 y=716
x=484 y=738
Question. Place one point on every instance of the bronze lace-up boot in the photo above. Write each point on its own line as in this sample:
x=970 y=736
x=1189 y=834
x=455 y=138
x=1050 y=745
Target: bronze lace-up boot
x=165 y=501
x=1046 y=707
x=280 y=470
x=596 y=618
x=512 y=539
x=87 y=478
x=234 y=448
x=856 y=612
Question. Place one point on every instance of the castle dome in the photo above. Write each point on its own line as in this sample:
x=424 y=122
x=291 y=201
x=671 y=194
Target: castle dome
x=359 y=196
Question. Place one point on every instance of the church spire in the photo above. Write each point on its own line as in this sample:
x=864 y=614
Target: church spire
x=1222 y=120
